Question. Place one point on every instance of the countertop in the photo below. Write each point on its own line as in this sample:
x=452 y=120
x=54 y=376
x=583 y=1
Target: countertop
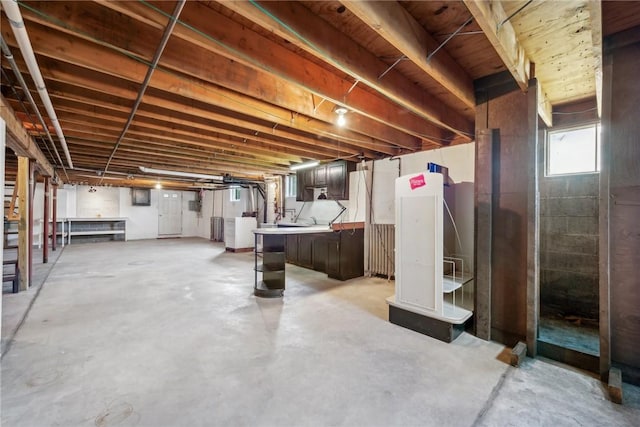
x=294 y=230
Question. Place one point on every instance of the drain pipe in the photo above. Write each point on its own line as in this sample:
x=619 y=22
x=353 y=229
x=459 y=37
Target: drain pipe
x=9 y=57
x=12 y=11
x=152 y=67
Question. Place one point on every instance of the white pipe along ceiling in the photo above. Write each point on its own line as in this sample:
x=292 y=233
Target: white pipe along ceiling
x=12 y=11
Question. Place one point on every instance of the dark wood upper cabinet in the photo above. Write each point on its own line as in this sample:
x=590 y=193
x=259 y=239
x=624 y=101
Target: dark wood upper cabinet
x=320 y=174
x=334 y=176
x=338 y=179
x=304 y=186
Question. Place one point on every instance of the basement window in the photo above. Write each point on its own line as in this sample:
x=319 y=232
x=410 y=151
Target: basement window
x=234 y=194
x=573 y=150
x=290 y=184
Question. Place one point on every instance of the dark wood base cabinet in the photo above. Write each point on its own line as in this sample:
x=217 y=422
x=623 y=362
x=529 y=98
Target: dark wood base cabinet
x=340 y=254
x=345 y=254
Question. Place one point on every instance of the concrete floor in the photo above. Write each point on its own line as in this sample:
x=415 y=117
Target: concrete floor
x=582 y=338
x=168 y=333
x=15 y=306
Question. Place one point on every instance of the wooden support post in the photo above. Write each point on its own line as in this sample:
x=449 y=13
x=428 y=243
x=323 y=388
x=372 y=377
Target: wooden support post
x=45 y=222
x=22 y=181
x=533 y=224
x=54 y=217
x=30 y=208
x=486 y=139
x=3 y=127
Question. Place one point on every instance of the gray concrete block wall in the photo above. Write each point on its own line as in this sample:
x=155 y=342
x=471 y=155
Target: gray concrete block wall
x=569 y=244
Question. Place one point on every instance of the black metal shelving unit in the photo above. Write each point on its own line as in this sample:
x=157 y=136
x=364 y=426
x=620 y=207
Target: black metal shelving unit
x=269 y=266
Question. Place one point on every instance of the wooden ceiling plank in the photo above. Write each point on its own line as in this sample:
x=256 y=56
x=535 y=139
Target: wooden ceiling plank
x=297 y=24
x=182 y=56
x=492 y=18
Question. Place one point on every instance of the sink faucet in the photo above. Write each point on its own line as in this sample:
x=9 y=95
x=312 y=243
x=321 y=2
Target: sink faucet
x=315 y=221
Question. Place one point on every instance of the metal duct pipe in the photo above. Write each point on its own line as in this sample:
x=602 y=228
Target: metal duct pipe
x=12 y=10
x=183 y=174
x=9 y=56
x=252 y=198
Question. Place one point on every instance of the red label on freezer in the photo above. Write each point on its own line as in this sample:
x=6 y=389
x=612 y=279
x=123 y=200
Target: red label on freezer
x=417 y=181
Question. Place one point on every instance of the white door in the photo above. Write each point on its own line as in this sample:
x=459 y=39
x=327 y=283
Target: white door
x=170 y=213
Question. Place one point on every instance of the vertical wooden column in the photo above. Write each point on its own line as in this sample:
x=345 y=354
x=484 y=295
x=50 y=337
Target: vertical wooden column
x=620 y=228
x=505 y=209
x=604 y=322
x=54 y=217
x=24 y=250
x=485 y=139
x=533 y=224
x=45 y=223
x=2 y=154
x=30 y=207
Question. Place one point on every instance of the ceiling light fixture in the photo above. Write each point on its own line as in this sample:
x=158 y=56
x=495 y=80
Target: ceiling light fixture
x=341 y=111
x=181 y=174
x=158 y=185
x=304 y=165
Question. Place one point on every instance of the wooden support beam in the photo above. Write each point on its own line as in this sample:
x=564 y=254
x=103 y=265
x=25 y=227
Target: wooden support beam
x=279 y=140
x=297 y=24
x=3 y=150
x=45 y=222
x=189 y=88
x=595 y=14
x=393 y=23
x=32 y=190
x=492 y=19
x=533 y=224
x=231 y=67
x=12 y=215
x=20 y=141
x=24 y=250
x=54 y=217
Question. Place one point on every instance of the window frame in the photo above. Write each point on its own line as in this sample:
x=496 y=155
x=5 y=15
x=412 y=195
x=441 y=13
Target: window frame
x=596 y=124
x=288 y=187
x=234 y=194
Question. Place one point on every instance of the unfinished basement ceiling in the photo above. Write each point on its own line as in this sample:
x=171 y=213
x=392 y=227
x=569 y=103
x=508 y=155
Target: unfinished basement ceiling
x=249 y=88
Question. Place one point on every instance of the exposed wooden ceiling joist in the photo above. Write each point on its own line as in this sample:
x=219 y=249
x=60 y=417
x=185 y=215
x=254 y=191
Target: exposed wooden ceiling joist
x=237 y=59
x=250 y=87
x=493 y=20
x=20 y=141
x=295 y=23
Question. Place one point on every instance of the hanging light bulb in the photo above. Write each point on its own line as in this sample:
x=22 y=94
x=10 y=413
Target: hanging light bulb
x=158 y=185
x=341 y=111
